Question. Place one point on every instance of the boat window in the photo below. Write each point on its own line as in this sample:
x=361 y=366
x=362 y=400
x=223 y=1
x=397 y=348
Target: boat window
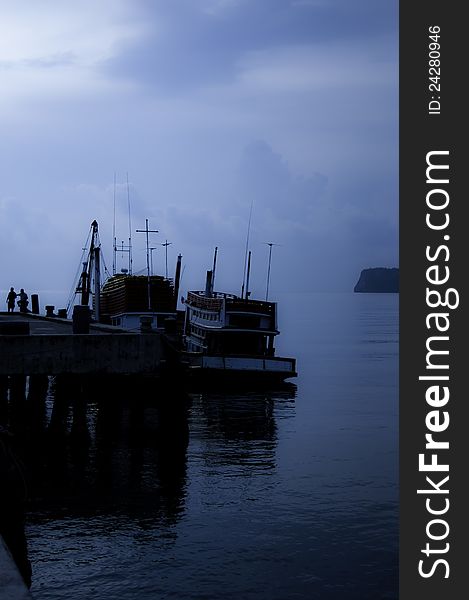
x=245 y=321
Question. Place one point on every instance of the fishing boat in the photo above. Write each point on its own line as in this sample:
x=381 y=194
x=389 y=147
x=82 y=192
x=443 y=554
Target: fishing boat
x=126 y=300
x=232 y=336
x=222 y=335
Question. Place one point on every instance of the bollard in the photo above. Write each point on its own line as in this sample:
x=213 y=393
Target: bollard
x=62 y=313
x=50 y=311
x=81 y=318
x=35 y=304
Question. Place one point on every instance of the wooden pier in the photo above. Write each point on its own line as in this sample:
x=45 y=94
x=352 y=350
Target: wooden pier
x=38 y=345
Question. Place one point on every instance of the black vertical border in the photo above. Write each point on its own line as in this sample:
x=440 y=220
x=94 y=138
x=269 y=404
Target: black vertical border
x=421 y=133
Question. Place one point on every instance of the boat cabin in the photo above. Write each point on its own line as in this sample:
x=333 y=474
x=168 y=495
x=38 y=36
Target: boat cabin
x=224 y=324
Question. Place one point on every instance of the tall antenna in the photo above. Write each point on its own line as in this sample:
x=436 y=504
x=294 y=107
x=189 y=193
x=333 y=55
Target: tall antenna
x=247 y=276
x=147 y=231
x=214 y=267
x=130 y=227
x=270 y=244
x=114 y=248
x=246 y=249
x=166 y=244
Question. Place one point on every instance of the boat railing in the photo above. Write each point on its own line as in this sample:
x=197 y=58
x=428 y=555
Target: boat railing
x=232 y=303
x=220 y=295
x=251 y=306
x=214 y=302
x=265 y=356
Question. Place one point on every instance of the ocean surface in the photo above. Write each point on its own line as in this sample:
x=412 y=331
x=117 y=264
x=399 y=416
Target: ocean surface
x=144 y=493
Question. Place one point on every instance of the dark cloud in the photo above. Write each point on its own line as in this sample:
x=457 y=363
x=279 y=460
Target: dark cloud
x=190 y=46
x=313 y=81
x=266 y=179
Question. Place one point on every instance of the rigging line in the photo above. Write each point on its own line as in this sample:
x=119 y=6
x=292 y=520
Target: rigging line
x=130 y=227
x=106 y=270
x=73 y=290
x=114 y=231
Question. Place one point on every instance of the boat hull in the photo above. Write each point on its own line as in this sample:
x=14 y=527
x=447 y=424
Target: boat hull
x=262 y=369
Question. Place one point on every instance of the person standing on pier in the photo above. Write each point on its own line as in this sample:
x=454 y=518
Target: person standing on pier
x=11 y=300
x=23 y=301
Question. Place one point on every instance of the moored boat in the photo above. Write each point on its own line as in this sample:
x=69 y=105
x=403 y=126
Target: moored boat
x=125 y=300
x=230 y=336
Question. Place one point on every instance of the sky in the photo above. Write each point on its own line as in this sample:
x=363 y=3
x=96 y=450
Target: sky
x=209 y=107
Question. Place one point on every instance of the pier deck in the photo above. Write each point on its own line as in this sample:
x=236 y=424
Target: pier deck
x=51 y=348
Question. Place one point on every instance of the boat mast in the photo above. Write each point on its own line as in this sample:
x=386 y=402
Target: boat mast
x=152 y=248
x=130 y=227
x=147 y=231
x=114 y=250
x=270 y=244
x=122 y=247
x=84 y=285
x=214 y=267
x=97 y=283
x=177 y=279
x=166 y=244
x=246 y=249
x=247 y=276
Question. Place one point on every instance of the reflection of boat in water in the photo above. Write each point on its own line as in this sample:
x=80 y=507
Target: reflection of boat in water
x=237 y=431
x=229 y=336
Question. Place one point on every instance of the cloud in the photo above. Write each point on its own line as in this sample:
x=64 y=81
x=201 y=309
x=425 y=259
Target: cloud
x=266 y=180
x=209 y=105
x=202 y=43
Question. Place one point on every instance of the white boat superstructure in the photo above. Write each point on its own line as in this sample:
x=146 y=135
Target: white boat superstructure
x=231 y=335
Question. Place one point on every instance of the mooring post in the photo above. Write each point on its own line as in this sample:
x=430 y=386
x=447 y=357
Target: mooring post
x=81 y=318
x=35 y=304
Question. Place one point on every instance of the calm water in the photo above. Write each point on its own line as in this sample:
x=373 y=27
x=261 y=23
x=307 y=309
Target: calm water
x=276 y=495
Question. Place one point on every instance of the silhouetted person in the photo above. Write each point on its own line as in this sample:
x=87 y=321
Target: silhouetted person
x=23 y=301
x=11 y=300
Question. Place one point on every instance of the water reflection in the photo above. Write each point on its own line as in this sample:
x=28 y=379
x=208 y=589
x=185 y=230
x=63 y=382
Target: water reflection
x=239 y=429
x=113 y=469
x=104 y=445
x=106 y=459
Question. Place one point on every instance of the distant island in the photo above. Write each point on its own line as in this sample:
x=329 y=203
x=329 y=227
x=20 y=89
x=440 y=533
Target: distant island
x=378 y=280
